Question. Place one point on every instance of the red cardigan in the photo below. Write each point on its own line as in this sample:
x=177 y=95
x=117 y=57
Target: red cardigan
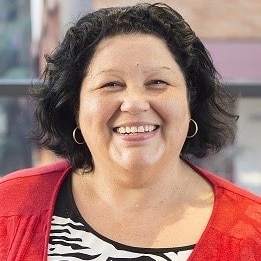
x=27 y=199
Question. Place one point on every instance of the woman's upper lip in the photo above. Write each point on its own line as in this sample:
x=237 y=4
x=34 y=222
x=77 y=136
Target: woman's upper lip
x=135 y=124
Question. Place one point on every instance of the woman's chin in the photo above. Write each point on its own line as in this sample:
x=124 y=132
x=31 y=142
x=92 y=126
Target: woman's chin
x=137 y=163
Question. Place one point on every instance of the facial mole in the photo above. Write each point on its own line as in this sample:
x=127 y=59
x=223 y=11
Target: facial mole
x=137 y=64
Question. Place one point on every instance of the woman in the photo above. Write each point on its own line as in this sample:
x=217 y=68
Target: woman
x=130 y=94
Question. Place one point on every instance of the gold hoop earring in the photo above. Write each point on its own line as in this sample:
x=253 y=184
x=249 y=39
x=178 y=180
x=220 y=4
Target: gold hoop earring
x=196 y=130
x=74 y=136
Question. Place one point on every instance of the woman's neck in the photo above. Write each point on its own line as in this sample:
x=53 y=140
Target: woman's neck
x=136 y=189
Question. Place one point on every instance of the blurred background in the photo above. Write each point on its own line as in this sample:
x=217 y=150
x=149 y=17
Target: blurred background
x=230 y=29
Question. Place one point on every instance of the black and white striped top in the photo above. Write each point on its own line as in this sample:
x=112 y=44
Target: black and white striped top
x=72 y=239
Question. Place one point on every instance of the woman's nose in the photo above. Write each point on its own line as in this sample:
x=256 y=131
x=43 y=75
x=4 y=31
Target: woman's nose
x=135 y=101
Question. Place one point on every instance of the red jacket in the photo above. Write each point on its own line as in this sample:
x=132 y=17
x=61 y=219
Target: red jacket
x=27 y=200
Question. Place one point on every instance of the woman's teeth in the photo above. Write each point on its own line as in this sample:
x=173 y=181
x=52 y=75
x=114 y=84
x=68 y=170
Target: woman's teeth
x=135 y=129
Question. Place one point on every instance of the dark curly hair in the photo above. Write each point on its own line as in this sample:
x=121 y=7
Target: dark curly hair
x=58 y=96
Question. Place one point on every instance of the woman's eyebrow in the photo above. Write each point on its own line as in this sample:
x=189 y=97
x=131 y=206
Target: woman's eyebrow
x=158 y=68
x=145 y=70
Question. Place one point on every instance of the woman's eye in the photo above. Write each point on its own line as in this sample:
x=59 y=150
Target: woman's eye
x=112 y=84
x=157 y=83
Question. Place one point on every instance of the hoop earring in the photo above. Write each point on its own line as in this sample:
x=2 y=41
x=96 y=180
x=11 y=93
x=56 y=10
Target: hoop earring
x=74 y=136
x=196 y=130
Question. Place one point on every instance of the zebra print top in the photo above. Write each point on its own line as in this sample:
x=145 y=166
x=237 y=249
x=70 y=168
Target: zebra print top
x=72 y=239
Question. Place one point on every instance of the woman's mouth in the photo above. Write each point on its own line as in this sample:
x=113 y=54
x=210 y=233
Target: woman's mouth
x=132 y=130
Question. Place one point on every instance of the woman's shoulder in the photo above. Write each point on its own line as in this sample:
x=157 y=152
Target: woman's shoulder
x=237 y=212
x=41 y=172
x=25 y=186
x=236 y=215
x=225 y=188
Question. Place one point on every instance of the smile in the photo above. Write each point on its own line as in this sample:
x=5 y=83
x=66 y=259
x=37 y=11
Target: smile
x=131 y=130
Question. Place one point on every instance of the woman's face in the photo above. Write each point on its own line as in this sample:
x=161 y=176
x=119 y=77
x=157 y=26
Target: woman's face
x=133 y=109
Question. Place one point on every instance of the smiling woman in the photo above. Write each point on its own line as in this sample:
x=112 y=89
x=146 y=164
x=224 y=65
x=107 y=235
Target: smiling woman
x=145 y=89
x=129 y=95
